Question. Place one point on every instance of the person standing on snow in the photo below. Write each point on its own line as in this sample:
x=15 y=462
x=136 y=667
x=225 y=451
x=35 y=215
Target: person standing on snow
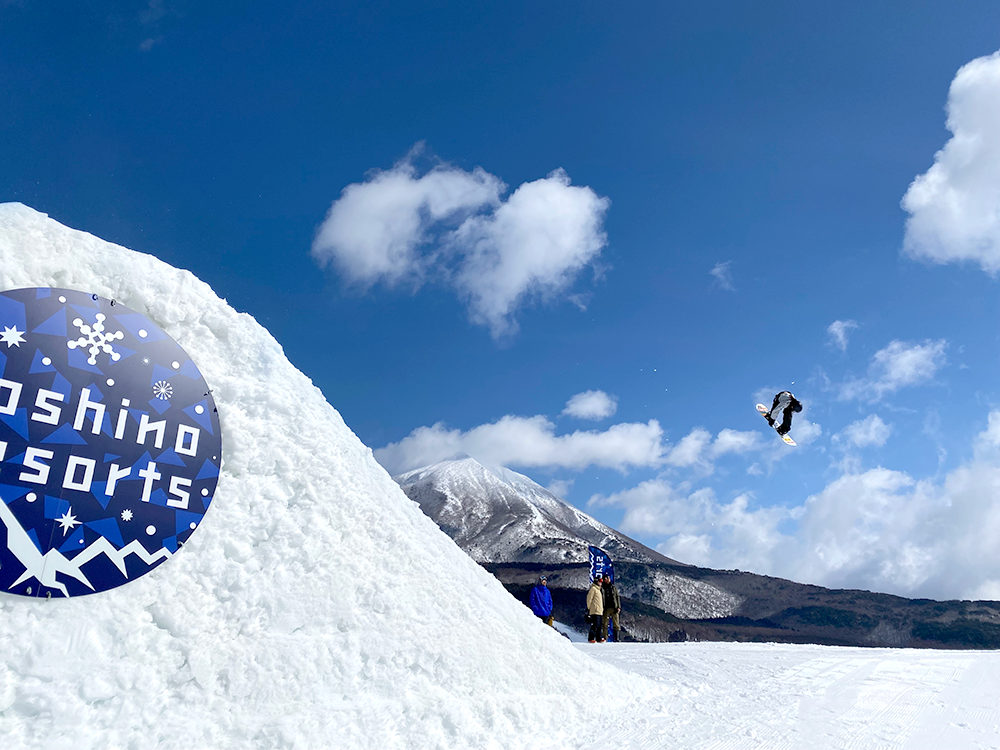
x=540 y=601
x=595 y=610
x=612 y=608
x=784 y=404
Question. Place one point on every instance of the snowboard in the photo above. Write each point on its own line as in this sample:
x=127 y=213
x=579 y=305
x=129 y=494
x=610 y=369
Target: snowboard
x=764 y=411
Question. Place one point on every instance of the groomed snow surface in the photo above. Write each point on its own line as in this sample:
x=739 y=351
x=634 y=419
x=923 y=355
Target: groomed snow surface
x=742 y=696
x=317 y=607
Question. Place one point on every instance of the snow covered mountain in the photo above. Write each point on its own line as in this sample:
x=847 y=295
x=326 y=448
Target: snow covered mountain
x=514 y=527
x=500 y=516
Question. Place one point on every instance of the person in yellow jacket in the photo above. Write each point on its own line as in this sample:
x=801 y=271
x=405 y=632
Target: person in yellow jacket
x=595 y=611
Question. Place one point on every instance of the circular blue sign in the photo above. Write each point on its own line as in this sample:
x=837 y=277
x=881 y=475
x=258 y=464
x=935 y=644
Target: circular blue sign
x=110 y=444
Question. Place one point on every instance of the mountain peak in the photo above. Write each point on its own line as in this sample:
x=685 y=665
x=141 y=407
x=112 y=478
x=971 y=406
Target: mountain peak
x=498 y=515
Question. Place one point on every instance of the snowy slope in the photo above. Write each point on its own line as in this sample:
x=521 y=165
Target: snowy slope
x=316 y=607
x=757 y=696
x=498 y=515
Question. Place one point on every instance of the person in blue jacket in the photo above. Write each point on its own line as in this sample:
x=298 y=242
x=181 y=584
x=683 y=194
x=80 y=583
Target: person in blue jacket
x=540 y=601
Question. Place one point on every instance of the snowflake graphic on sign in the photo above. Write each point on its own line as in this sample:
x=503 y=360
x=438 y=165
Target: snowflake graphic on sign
x=110 y=444
x=96 y=339
x=162 y=390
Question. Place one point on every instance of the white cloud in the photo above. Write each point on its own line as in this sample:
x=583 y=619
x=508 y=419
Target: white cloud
x=155 y=11
x=953 y=206
x=870 y=431
x=689 y=449
x=694 y=549
x=901 y=364
x=862 y=530
x=723 y=535
x=528 y=441
x=454 y=226
x=375 y=230
x=533 y=245
x=532 y=441
x=723 y=275
x=697 y=449
x=560 y=487
x=734 y=441
x=987 y=445
x=591 y=405
x=838 y=331
x=878 y=529
x=898 y=365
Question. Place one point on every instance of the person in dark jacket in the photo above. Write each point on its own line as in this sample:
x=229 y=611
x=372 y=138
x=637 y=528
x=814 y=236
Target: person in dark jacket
x=612 y=608
x=783 y=406
x=540 y=601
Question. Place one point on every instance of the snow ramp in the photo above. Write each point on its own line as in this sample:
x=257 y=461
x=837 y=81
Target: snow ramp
x=316 y=606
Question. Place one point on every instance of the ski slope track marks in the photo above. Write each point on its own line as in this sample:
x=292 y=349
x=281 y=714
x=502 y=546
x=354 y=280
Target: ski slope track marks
x=793 y=697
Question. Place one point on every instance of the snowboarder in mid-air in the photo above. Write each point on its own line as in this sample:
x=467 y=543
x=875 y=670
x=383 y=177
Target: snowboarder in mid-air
x=783 y=407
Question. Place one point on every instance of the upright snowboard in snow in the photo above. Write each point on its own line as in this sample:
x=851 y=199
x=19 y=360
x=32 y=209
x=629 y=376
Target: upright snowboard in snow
x=764 y=411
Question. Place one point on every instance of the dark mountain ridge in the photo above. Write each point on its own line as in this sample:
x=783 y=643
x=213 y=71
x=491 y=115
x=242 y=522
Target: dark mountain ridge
x=518 y=530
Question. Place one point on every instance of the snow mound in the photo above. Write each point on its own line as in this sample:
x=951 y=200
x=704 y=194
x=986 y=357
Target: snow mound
x=316 y=607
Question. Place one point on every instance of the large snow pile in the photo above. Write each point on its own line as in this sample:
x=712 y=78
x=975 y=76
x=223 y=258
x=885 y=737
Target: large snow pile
x=316 y=607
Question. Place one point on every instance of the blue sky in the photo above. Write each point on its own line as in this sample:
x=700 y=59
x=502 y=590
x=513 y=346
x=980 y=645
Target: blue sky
x=582 y=240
